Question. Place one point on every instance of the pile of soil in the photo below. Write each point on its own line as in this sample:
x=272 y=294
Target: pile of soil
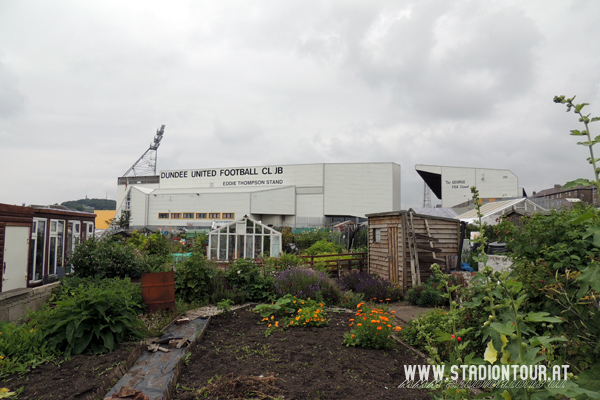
x=234 y=360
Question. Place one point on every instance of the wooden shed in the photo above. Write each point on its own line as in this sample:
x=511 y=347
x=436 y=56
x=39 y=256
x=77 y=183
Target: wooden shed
x=403 y=245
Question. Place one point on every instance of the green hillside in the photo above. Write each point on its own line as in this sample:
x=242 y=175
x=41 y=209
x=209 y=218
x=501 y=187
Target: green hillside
x=91 y=204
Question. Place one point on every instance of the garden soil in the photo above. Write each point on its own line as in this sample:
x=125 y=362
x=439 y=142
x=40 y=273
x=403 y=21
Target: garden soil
x=235 y=360
x=82 y=377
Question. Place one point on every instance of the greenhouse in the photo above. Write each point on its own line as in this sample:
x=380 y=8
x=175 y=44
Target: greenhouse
x=244 y=238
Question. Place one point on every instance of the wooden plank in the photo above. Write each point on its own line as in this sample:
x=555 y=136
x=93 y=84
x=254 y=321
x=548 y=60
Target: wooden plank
x=425 y=237
x=414 y=256
x=425 y=247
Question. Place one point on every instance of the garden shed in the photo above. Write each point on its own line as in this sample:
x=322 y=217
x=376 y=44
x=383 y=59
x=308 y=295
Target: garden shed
x=244 y=238
x=403 y=245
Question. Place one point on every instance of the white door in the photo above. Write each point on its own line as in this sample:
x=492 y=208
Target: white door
x=16 y=249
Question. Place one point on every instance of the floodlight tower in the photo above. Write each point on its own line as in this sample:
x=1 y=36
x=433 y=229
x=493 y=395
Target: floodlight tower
x=146 y=164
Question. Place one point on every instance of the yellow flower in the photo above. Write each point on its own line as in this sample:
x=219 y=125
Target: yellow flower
x=300 y=310
x=272 y=317
x=490 y=355
x=277 y=324
x=291 y=322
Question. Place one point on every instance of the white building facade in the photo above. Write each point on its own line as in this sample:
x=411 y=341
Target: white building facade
x=453 y=184
x=281 y=195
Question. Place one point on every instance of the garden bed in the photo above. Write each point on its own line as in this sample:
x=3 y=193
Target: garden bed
x=83 y=377
x=299 y=363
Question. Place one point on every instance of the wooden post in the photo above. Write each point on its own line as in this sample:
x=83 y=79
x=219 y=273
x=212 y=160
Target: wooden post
x=338 y=268
x=312 y=260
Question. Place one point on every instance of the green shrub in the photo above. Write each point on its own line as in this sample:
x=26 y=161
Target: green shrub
x=284 y=261
x=106 y=259
x=95 y=321
x=193 y=278
x=323 y=247
x=222 y=290
x=245 y=275
x=430 y=298
x=414 y=294
x=306 y=239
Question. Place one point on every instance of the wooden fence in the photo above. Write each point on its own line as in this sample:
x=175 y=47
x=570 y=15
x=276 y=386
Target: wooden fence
x=335 y=266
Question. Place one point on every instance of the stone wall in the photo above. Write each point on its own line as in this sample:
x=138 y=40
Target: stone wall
x=15 y=304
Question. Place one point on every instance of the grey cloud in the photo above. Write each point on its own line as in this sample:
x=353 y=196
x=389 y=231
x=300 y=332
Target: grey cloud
x=235 y=134
x=12 y=101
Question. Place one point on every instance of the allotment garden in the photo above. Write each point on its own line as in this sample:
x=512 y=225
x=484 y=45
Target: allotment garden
x=309 y=335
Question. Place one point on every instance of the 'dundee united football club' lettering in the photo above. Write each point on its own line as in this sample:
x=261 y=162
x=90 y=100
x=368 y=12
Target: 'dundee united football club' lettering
x=227 y=172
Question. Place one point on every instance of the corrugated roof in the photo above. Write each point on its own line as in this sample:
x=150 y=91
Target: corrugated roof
x=437 y=212
x=495 y=208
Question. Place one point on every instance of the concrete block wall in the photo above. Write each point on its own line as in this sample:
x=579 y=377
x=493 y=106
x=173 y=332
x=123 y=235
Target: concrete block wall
x=15 y=304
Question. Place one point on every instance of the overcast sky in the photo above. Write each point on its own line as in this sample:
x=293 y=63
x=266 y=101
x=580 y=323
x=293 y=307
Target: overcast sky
x=84 y=85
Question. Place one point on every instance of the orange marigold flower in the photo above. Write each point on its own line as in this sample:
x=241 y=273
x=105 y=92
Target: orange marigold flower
x=300 y=310
x=378 y=328
x=272 y=316
x=352 y=336
x=352 y=319
x=358 y=324
x=388 y=299
x=393 y=312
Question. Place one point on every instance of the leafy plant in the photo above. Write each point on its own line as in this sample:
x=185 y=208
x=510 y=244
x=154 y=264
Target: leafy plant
x=292 y=313
x=322 y=247
x=307 y=238
x=75 y=286
x=193 y=278
x=97 y=321
x=350 y=299
x=225 y=305
x=22 y=346
x=589 y=143
x=372 y=328
x=245 y=275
